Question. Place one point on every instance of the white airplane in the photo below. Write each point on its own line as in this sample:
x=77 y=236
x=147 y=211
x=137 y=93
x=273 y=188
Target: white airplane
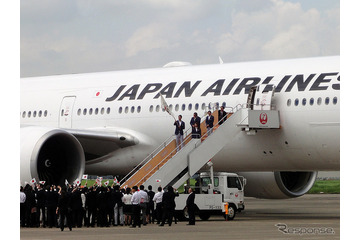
x=107 y=123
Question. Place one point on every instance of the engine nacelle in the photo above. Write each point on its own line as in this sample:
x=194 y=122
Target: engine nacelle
x=278 y=185
x=50 y=155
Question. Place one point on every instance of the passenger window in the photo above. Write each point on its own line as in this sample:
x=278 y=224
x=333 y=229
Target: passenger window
x=190 y=107
x=24 y=114
x=90 y=111
x=327 y=100
x=40 y=113
x=151 y=109
x=311 y=101
x=138 y=109
x=196 y=106
x=289 y=102
x=126 y=109
x=132 y=109
x=102 y=111
x=84 y=111
x=319 y=101
x=120 y=110
x=108 y=110
x=45 y=113
x=62 y=112
x=335 y=100
x=224 y=104
x=34 y=114
x=257 y=101
x=296 y=102
x=177 y=107
x=183 y=107
x=29 y=114
x=79 y=112
x=157 y=108
x=96 y=111
x=304 y=101
x=203 y=106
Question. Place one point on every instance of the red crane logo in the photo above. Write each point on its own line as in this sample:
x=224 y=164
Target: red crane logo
x=263 y=118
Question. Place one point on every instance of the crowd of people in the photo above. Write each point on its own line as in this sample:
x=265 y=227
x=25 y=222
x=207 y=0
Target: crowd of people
x=75 y=206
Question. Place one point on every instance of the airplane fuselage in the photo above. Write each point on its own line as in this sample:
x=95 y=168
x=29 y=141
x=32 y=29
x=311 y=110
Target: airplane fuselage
x=307 y=95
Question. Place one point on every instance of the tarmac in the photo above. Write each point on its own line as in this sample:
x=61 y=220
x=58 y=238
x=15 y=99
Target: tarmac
x=312 y=216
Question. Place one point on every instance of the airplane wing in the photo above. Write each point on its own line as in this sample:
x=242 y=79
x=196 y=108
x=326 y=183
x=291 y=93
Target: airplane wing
x=99 y=142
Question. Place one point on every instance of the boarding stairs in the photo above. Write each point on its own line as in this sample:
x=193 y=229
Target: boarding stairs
x=168 y=166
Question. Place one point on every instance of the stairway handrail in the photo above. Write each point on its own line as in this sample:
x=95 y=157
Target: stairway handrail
x=150 y=156
x=237 y=108
x=170 y=154
x=187 y=136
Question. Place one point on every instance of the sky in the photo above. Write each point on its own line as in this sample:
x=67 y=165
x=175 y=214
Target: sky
x=63 y=36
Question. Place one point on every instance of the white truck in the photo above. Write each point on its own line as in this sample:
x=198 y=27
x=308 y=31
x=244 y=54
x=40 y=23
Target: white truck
x=211 y=195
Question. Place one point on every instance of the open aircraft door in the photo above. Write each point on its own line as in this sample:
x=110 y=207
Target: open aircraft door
x=262 y=96
x=66 y=112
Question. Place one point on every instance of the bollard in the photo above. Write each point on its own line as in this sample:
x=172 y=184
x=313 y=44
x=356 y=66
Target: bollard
x=226 y=211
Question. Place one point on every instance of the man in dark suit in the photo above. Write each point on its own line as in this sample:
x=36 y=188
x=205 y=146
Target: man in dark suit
x=179 y=132
x=118 y=211
x=64 y=209
x=209 y=123
x=91 y=206
x=168 y=201
x=190 y=205
x=195 y=119
x=101 y=205
x=150 y=208
x=40 y=197
x=51 y=201
x=222 y=115
x=75 y=203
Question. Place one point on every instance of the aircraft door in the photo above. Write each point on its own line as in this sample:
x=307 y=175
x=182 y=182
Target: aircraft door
x=235 y=189
x=251 y=97
x=66 y=112
x=262 y=98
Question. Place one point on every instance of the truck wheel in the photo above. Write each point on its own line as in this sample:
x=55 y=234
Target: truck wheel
x=231 y=211
x=204 y=215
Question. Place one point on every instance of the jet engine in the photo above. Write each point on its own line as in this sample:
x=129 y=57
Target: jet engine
x=50 y=155
x=278 y=185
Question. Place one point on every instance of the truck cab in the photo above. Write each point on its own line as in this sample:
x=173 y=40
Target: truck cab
x=230 y=185
x=211 y=196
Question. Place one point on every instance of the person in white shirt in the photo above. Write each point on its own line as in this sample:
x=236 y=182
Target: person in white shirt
x=158 y=201
x=144 y=199
x=126 y=199
x=135 y=201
